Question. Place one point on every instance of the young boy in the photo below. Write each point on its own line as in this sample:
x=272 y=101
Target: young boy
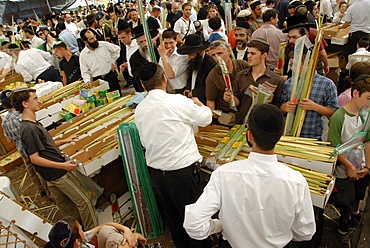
x=68 y=233
x=350 y=183
x=215 y=24
x=46 y=157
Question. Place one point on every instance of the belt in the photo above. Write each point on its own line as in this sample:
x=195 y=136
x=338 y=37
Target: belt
x=193 y=168
x=103 y=76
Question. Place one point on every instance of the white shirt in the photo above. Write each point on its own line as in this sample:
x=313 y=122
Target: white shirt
x=337 y=19
x=262 y=203
x=182 y=26
x=129 y=51
x=32 y=62
x=5 y=61
x=207 y=31
x=327 y=8
x=179 y=64
x=72 y=27
x=98 y=62
x=36 y=41
x=352 y=58
x=241 y=53
x=165 y=123
x=358 y=15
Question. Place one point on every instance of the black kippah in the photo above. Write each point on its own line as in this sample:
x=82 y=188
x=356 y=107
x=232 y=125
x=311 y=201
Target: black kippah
x=147 y=71
x=268 y=119
x=362 y=77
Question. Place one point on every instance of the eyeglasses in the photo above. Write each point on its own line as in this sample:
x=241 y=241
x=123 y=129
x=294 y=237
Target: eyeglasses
x=40 y=33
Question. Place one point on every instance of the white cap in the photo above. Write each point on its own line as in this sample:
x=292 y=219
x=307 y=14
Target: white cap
x=244 y=13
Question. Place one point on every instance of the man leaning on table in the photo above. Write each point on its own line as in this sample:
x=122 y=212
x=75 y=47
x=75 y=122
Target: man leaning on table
x=248 y=194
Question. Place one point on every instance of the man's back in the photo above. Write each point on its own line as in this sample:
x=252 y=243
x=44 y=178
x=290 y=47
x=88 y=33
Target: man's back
x=262 y=203
x=169 y=139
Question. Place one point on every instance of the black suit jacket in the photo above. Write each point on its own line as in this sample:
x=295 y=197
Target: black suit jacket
x=245 y=57
x=130 y=24
x=200 y=82
x=136 y=61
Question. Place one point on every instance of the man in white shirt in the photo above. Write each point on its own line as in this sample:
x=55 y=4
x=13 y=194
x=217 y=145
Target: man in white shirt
x=34 y=64
x=358 y=16
x=364 y=54
x=252 y=212
x=184 y=26
x=97 y=60
x=5 y=65
x=125 y=36
x=174 y=64
x=165 y=124
x=71 y=26
x=30 y=35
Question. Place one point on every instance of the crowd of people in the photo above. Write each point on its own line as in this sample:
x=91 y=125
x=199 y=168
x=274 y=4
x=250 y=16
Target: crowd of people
x=186 y=88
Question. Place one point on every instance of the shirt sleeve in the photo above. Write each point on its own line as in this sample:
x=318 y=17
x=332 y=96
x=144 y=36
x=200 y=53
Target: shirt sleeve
x=335 y=128
x=331 y=100
x=198 y=222
x=304 y=226
x=193 y=114
x=114 y=51
x=285 y=96
x=88 y=236
x=85 y=71
x=25 y=73
x=31 y=140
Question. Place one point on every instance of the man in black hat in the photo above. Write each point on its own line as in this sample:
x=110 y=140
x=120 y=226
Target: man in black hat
x=251 y=212
x=297 y=26
x=200 y=65
x=97 y=60
x=141 y=56
x=171 y=151
x=92 y=21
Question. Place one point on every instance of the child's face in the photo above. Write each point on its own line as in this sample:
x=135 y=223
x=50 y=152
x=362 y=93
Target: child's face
x=363 y=99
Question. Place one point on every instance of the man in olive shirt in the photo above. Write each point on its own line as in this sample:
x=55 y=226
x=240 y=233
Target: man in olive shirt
x=47 y=159
x=255 y=75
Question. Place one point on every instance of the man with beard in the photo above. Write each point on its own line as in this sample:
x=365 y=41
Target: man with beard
x=255 y=75
x=273 y=35
x=139 y=57
x=97 y=60
x=93 y=24
x=200 y=65
x=134 y=19
x=241 y=40
x=215 y=84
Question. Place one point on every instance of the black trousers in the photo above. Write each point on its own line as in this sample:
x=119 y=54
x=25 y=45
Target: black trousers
x=49 y=74
x=112 y=79
x=177 y=189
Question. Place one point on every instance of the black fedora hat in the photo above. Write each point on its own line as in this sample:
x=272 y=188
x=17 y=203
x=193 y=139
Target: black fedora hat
x=122 y=24
x=297 y=21
x=137 y=31
x=193 y=44
x=50 y=15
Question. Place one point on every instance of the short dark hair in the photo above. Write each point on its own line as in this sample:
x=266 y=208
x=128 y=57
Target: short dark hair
x=260 y=46
x=19 y=97
x=60 y=44
x=364 y=42
x=186 y=4
x=28 y=29
x=254 y=5
x=214 y=23
x=341 y=3
x=83 y=33
x=356 y=70
x=61 y=26
x=268 y=2
x=259 y=122
x=268 y=14
x=169 y=34
x=126 y=31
